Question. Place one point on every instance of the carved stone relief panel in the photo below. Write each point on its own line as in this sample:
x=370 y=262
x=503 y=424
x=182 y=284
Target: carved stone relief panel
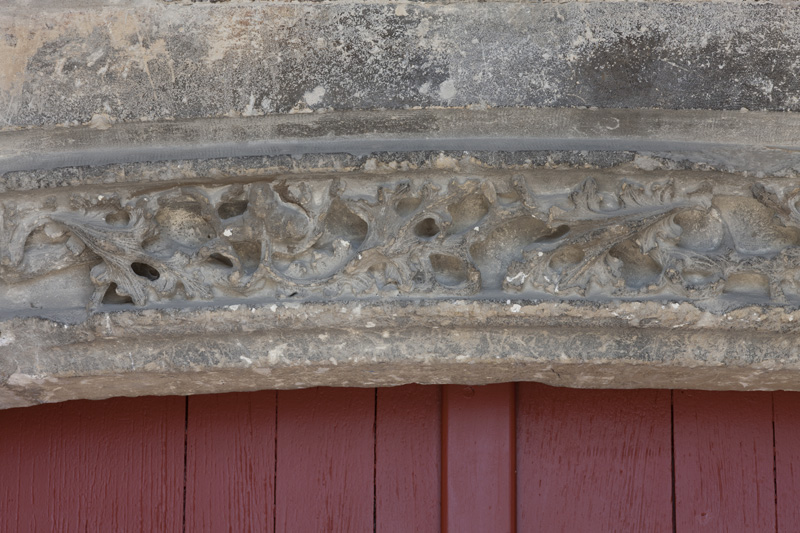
x=593 y=235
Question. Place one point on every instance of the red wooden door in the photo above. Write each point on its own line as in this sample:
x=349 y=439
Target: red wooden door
x=478 y=439
x=724 y=461
x=408 y=451
x=116 y=465
x=594 y=460
x=230 y=462
x=523 y=457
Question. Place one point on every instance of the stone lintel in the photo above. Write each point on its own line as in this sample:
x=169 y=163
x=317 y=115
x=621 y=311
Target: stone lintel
x=587 y=269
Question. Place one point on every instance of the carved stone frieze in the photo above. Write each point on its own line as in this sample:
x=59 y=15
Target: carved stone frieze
x=540 y=234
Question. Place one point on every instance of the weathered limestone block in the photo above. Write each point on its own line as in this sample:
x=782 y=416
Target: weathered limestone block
x=65 y=62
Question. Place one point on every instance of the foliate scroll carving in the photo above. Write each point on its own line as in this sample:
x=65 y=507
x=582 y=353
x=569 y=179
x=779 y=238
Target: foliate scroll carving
x=571 y=235
x=659 y=240
x=301 y=239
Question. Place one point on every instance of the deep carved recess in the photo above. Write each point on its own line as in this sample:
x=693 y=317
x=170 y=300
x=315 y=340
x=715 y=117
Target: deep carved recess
x=584 y=235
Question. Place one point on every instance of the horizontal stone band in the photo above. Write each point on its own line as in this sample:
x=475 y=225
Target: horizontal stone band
x=753 y=141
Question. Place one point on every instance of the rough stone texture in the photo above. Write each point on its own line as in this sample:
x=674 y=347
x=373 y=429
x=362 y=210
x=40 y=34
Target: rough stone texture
x=724 y=319
x=62 y=63
x=292 y=345
x=204 y=197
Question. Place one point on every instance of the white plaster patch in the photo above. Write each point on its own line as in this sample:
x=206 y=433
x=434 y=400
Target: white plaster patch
x=92 y=59
x=274 y=355
x=314 y=96
x=100 y=121
x=447 y=89
x=6 y=339
x=646 y=162
x=518 y=276
x=23 y=380
x=249 y=109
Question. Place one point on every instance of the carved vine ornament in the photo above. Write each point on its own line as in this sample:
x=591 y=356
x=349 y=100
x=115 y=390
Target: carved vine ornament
x=699 y=240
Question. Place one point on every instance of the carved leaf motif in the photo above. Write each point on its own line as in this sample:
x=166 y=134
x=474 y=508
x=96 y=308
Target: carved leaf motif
x=455 y=236
x=682 y=247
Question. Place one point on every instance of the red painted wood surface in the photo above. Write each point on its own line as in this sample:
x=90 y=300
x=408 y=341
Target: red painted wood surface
x=591 y=460
x=724 y=478
x=115 y=465
x=317 y=460
x=230 y=462
x=478 y=458
x=786 y=407
x=408 y=459
x=326 y=460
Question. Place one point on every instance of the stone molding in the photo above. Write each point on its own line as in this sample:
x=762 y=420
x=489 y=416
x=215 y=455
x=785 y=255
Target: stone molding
x=712 y=240
x=762 y=143
x=666 y=258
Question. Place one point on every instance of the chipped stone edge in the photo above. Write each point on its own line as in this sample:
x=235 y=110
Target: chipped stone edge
x=357 y=344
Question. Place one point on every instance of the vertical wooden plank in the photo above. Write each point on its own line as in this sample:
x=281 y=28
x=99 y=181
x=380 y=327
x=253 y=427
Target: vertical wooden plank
x=326 y=460
x=593 y=460
x=407 y=459
x=478 y=458
x=787 y=459
x=723 y=461
x=108 y=465
x=230 y=462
